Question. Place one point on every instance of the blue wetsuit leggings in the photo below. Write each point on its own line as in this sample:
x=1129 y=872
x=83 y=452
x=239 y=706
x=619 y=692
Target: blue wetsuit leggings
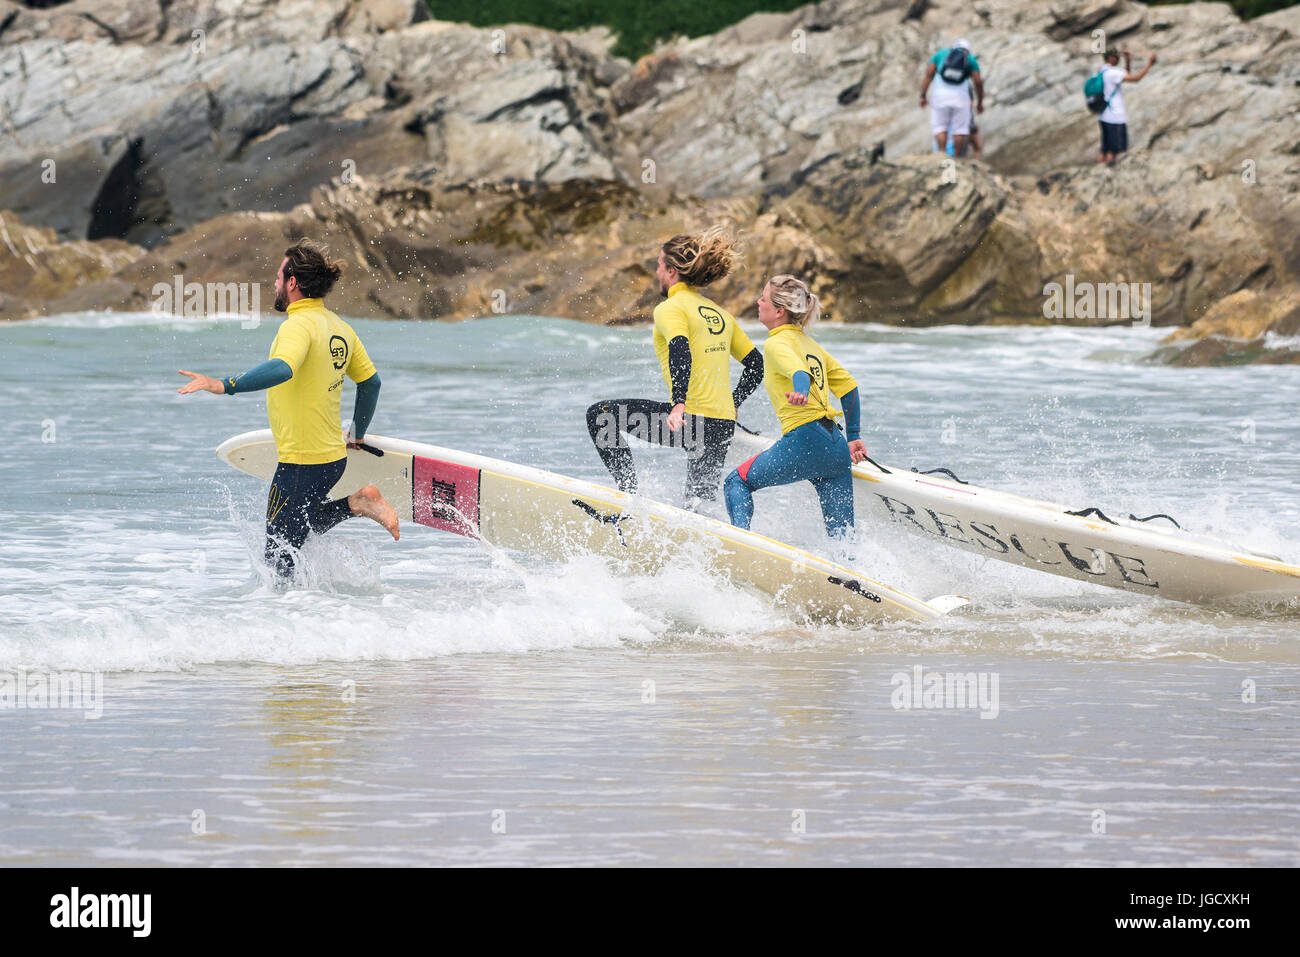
x=297 y=505
x=816 y=451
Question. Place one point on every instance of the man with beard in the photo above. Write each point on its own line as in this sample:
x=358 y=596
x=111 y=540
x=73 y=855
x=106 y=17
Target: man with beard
x=695 y=340
x=312 y=352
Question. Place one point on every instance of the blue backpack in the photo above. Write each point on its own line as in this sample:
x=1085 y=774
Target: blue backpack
x=1094 y=93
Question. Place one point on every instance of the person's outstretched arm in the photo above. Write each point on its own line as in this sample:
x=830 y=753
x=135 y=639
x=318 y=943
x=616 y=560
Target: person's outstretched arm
x=264 y=375
x=1135 y=77
x=979 y=91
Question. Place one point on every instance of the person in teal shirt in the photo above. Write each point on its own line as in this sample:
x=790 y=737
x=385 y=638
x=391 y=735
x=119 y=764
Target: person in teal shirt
x=946 y=91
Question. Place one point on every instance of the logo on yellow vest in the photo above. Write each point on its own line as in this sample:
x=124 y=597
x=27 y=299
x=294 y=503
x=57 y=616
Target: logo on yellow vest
x=713 y=319
x=815 y=370
x=339 y=351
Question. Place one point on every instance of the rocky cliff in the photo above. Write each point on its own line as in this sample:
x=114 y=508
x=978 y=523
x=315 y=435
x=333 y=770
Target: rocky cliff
x=463 y=168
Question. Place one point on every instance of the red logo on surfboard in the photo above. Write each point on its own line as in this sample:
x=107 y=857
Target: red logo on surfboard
x=446 y=496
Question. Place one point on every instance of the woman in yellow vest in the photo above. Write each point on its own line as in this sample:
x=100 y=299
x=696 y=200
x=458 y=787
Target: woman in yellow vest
x=695 y=340
x=800 y=377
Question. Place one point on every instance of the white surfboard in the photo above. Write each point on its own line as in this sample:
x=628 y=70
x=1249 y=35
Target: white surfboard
x=517 y=507
x=1134 y=555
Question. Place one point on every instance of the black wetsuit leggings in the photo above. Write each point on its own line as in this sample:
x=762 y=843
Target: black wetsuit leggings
x=296 y=506
x=705 y=440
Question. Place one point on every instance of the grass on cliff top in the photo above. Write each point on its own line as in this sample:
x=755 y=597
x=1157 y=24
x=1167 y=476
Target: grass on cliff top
x=639 y=24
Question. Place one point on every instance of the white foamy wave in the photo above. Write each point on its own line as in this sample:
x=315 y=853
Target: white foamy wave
x=108 y=319
x=120 y=554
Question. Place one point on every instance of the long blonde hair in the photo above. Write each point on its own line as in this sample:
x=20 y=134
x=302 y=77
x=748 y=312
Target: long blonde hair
x=704 y=258
x=799 y=302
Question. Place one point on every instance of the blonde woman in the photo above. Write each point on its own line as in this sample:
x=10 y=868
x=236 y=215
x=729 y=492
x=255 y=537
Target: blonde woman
x=800 y=377
x=695 y=340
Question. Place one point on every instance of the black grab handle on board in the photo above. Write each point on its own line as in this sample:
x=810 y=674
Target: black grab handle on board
x=1156 y=515
x=371 y=449
x=947 y=472
x=1085 y=512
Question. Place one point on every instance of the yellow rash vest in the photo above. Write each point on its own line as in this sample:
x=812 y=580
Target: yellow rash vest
x=715 y=339
x=321 y=349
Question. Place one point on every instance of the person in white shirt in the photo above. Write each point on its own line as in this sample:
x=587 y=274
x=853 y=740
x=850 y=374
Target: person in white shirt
x=1114 y=118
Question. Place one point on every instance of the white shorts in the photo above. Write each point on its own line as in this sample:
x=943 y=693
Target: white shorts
x=950 y=117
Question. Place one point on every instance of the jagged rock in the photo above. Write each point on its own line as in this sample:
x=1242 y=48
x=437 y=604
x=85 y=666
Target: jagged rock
x=120 y=20
x=20 y=23
x=380 y=16
x=527 y=124
x=915 y=224
x=779 y=122
x=1221 y=351
x=1245 y=327
x=744 y=111
x=1243 y=315
x=212 y=125
x=1071 y=17
x=415 y=248
x=37 y=269
x=1194 y=237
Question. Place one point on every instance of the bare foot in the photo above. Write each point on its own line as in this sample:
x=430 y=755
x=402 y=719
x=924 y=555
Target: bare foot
x=371 y=504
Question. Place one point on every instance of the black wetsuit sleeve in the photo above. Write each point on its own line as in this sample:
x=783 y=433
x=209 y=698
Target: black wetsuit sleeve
x=364 y=409
x=264 y=375
x=679 y=367
x=749 y=378
x=852 y=405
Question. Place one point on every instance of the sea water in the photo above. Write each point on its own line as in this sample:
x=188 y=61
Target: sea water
x=433 y=701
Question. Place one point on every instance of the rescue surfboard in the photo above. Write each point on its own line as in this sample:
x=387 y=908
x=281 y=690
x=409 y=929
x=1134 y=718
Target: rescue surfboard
x=1145 y=556
x=553 y=516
